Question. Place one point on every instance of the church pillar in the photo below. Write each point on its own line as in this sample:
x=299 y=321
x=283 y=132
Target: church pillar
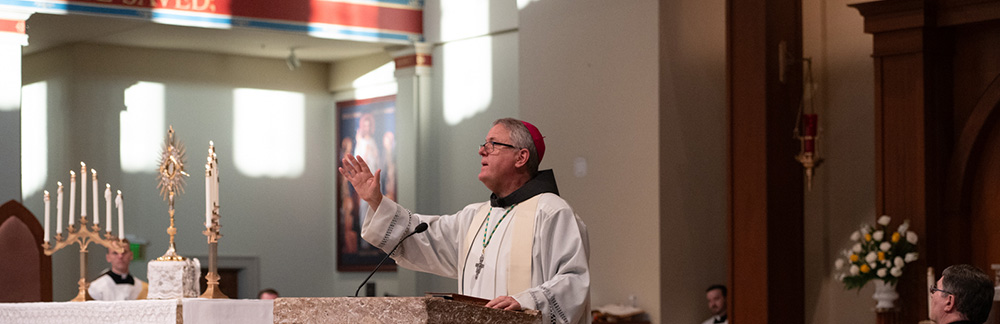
x=413 y=100
x=12 y=38
x=765 y=219
x=413 y=68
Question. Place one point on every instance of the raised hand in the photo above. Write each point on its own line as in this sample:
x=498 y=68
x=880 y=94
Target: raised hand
x=356 y=170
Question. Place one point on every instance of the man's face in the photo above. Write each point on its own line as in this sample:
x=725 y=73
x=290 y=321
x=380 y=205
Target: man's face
x=119 y=261
x=716 y=302
x=499 y=164
x=938 y=301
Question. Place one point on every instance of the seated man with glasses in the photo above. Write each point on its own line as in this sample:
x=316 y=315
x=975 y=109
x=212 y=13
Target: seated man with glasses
x=522 y=249
x=963 y=295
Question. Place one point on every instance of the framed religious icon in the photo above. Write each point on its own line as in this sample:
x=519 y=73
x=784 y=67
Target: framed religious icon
x=365 y=128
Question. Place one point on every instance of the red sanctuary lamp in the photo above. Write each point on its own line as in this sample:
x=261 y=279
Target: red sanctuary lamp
x=807 y=150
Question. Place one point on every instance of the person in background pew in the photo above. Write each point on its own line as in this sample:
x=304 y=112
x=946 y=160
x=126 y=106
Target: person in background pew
x=716 y=295
x=117 y=283
x=268 y=293
x=963 y=295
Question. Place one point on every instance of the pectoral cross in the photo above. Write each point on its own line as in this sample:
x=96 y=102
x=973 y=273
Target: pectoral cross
x=479 y=266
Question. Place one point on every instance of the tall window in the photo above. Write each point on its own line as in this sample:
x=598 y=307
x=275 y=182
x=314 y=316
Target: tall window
x=468 y=78
x=269 y=133
x=34 y=137
x=142 y=127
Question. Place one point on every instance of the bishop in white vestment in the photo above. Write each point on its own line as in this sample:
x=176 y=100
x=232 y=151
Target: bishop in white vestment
x=523 y=249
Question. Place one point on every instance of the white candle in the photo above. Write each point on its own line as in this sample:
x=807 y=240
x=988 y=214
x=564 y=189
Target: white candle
x=208 y=193
x=97 y=216
x=215 y=183
x=107 y=205
x=59 y=205
x=83 y=190
x=930 y=284
x=72 y=196
x=47 y=220
x=121 y=215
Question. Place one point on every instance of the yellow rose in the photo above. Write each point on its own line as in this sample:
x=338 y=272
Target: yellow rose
x=881 y=256
x=865 y=268
x=854 y=258
x=895 y=237
x=868 y=237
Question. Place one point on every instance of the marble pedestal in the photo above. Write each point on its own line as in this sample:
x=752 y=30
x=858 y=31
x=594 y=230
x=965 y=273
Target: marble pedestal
x=173 y=279
x=393 y=310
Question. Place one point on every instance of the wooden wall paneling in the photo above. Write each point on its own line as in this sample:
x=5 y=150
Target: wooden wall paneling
x=972 y=189
x=903 y=131
x=983 y=200
x=765 y=224
x=936 y=162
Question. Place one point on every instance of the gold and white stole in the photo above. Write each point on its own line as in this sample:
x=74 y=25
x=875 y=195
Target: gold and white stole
x=519 y=269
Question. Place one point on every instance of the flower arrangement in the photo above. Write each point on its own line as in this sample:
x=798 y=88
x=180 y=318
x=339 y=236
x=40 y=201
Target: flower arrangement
x=877 y=254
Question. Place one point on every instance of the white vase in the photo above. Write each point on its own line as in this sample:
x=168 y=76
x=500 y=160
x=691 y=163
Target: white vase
x=885 y=294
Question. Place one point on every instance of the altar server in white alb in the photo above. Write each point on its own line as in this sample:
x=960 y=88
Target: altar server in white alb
x=522 y=249
x=118 y=283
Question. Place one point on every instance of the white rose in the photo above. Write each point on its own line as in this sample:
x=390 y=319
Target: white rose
x=871 y=265
x=903 y=227
x=840 y=277
x=839 y=264
x=898 y=262
x=846 y=253
x=887 y=263
x=896 y=272
x=885 y=246
x=864 y=229
x=855 y=270
x=855 y=236
x=910 y=257
x=871 y=257
x=878 y=235
x=856 y=248
x=911 y=237
x=884 y=220
x=881 y=273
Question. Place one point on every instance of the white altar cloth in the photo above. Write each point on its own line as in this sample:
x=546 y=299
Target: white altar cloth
x=132 y=311
x=236 y=311
x=172 y=311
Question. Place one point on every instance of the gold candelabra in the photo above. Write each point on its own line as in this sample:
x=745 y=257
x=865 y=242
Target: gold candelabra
x=171 y=170
x=83 y=236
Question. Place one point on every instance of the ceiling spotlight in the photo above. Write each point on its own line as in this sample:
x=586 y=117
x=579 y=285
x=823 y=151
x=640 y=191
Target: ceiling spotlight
x=292 y=60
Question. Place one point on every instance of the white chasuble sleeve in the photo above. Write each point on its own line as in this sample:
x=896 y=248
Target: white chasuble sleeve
x=434 y=251
x=560 y=275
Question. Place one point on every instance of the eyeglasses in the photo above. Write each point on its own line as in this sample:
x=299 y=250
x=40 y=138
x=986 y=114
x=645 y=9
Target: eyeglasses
x=491 y=147
x=934 y=289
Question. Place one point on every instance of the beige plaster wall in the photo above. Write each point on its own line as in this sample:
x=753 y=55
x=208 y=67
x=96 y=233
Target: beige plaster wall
x=843 y=194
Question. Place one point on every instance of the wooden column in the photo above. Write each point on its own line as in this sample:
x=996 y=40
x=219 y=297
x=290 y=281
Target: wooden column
x=765 y=216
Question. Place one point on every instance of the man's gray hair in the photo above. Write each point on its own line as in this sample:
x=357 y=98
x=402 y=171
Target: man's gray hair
x=972 y=288
x=521 y=137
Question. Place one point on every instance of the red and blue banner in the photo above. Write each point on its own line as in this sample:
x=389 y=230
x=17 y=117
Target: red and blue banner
x=394 y=21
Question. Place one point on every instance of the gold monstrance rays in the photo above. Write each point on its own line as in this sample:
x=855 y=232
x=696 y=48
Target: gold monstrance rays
x=171 y=182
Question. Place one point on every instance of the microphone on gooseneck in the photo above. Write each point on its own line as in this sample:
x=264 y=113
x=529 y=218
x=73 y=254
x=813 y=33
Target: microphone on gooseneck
x=420 y=229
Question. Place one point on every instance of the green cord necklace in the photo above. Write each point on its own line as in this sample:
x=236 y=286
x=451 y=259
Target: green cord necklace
x=487 y=240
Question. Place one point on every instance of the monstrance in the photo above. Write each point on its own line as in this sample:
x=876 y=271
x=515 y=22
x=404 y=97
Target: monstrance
x=171 y=182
